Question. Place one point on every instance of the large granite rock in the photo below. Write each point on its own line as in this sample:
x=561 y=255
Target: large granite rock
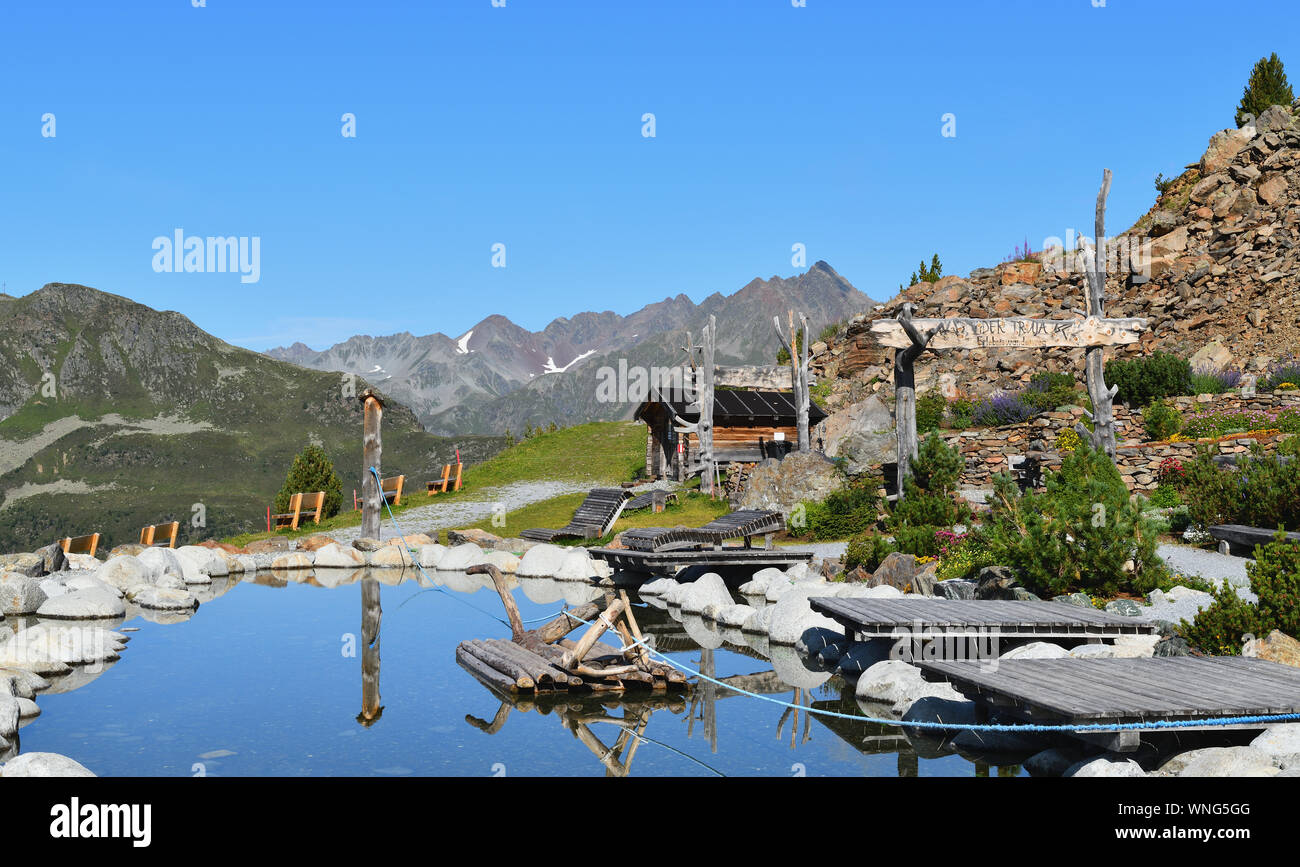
x=541 y=561
x=461 y=557
x=1221 y=762
x=1277 y=647
x=708 y=590
x=782 y=485
x=862 y=434
x=1281 y=743
x=20 y=594
x=43 y=765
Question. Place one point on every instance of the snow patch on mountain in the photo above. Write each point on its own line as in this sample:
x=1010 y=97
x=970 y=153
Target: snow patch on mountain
x=462 y=345
x=550 y=363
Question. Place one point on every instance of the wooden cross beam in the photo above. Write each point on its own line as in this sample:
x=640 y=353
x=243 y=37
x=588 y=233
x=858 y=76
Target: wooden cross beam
x=1013 y=332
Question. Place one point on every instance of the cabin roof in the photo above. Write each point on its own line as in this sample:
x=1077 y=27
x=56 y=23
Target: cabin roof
x=731 y=407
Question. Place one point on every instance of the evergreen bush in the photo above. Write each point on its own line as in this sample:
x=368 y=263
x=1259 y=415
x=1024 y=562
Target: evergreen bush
x=312 y=470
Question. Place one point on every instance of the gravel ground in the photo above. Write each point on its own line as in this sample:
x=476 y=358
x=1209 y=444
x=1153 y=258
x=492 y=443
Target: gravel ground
x=459 y=512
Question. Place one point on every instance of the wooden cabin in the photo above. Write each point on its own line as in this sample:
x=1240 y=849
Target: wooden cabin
x=748 y=426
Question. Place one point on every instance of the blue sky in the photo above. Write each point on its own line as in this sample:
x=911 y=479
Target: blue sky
x=478 y=125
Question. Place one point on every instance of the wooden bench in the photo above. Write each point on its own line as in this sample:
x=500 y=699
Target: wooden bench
x=392 y=489
x=80 y=544
x=1240 y=540
x=160 y=535
x=301 y=506
x=440 y=487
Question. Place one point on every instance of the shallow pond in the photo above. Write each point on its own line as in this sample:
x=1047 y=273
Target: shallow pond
x=272 y=677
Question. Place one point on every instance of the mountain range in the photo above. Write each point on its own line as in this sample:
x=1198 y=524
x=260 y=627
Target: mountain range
x=114 y=415
x=499 y=377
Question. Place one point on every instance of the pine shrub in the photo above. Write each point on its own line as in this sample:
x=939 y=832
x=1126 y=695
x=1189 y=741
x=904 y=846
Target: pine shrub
x=1145 y=380
x=312 y=470
x=1275 y=579
x=1267 y=87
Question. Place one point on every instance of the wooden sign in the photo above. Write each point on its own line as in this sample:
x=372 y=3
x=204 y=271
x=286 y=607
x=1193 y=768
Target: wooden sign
x=965 y=333
x=771 y=378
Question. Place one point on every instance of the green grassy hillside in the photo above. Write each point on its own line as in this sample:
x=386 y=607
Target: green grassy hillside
x=117 y=416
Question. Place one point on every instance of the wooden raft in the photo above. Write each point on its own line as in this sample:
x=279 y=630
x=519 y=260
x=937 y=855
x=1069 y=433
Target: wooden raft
x=544 y=660
x=1118 y=691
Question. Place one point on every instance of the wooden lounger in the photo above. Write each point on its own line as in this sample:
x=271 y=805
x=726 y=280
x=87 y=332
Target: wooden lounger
x=593 y=519
x=160 y=535
x=301 y=506
x=744 y=524
x=80 y=544
x=440 y=487
x=642 y=501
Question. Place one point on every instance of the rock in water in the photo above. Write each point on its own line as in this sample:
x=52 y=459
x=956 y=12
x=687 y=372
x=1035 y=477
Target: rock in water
x=20 y=594
x=541 y=561
x=83 y=605
x=43 y=765
x=1106 y=768
x=1221 y=762
x=706 y=590
x=461 y=557
x=1281 y=743
x=332 y=555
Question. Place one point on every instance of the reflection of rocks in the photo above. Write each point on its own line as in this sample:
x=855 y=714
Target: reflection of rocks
x=794 y=669
x=703 y=632
x=72 y=645
x=77 y=678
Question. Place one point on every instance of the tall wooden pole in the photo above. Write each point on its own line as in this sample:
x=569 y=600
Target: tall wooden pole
x=1102 y=435
x=371 y=448
x=804 y=397
x=705 y=431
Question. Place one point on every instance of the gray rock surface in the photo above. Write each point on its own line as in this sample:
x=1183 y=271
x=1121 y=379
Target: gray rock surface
x=43 y=765
x=1221 y=762
x=1281 y=743
x=1103 y=767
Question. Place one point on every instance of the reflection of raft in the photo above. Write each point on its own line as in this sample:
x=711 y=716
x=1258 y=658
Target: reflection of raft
x=543 y=660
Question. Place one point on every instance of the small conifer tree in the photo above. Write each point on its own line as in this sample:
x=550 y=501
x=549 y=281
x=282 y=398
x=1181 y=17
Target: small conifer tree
x=312 y=470
x=1267 y=86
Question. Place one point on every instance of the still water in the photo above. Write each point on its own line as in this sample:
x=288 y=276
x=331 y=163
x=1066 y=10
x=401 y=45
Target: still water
x=276 y=675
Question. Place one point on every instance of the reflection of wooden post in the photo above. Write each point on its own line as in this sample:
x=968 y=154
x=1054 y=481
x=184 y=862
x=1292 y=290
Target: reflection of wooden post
x=371 y=615
x=371 y=447
x=1102 y=435
x=905 y=396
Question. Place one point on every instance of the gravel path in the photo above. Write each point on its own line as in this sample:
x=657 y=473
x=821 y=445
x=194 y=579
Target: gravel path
x=459 y=512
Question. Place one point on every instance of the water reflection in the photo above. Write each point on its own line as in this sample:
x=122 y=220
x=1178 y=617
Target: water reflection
x=371 y=615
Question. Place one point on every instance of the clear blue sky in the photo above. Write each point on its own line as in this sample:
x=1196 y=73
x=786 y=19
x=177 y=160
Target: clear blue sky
x=522 y=125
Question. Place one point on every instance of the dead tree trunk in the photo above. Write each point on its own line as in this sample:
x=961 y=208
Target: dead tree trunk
x=798 y=352
x=704 y=433
x=1102 y=435
x=905 y=396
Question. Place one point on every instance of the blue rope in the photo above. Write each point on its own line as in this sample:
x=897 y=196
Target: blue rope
x=415 y=560
x=918 y=724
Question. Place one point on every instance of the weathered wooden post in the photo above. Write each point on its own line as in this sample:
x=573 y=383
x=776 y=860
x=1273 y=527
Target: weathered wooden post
x=705 y=431
x=371 y=448
x=798 y=374
x=1102 y=435
x=905 y=394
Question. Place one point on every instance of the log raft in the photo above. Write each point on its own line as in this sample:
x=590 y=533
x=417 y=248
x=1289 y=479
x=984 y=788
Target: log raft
x=544 y=660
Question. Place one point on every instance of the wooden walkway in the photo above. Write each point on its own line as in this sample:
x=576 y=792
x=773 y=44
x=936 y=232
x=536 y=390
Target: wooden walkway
x=1118 y=691
x=865 y=618
x=668 y=562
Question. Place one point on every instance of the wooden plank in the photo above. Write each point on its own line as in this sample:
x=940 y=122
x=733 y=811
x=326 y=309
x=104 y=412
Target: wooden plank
x=1036 y=618
x=1132 y=689
x=1021 y=332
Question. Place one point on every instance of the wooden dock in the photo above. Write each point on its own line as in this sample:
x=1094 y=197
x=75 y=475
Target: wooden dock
x=878 y=618
x=1119 y=691
x=668 y=562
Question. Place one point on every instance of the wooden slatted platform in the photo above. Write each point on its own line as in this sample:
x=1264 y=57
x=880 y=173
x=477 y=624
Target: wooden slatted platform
x=593 y=519
x=668 y=562
x=866 y=618
x=745 y=524
x=1104 y=691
